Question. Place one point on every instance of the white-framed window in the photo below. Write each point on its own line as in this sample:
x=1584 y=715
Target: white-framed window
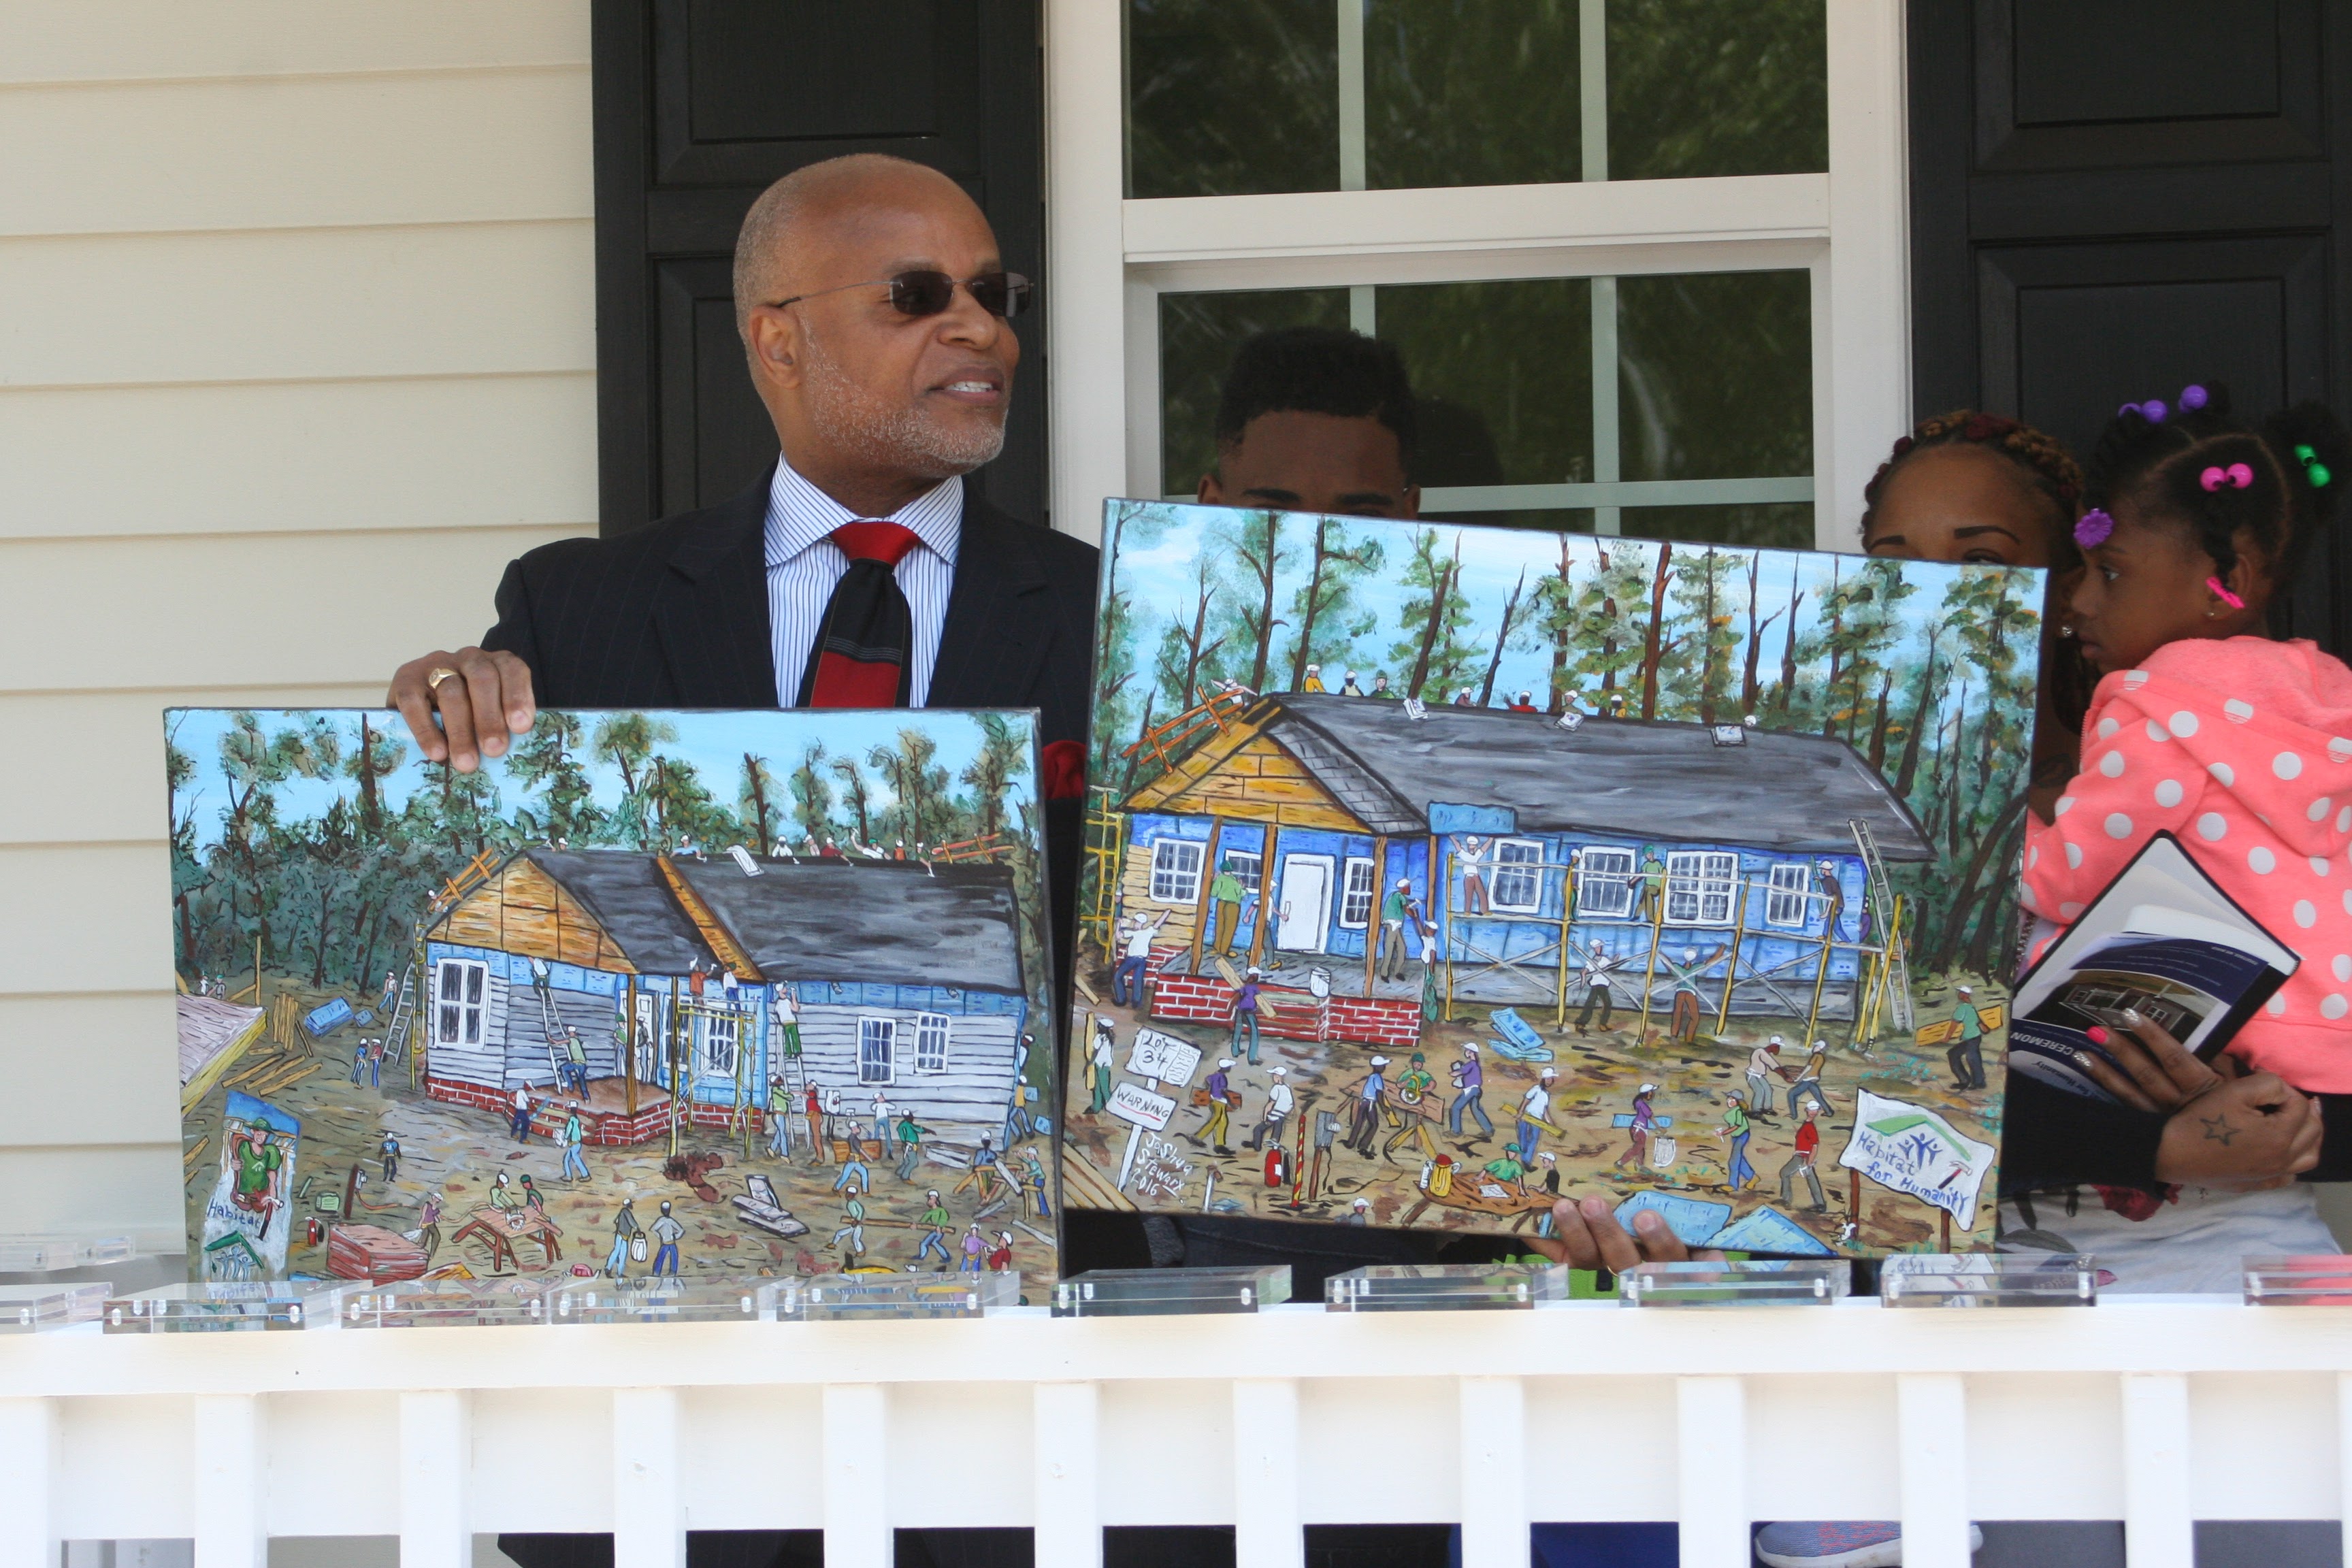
x=1515 y=876
x=1247 y=865
x=460 y=990
x=1357 y=892
x=721 y=1039
x=1586 y=144
x=1700 y=885
x=1176 y=871
x=1789 y=900
x=877 y=1050
x=931 y=1042
x=1604 y=883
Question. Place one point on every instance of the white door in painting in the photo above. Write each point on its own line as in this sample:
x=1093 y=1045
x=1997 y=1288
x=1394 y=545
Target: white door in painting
x=1306 y=910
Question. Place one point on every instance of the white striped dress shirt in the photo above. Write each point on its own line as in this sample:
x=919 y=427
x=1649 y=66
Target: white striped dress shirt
x=804 y=566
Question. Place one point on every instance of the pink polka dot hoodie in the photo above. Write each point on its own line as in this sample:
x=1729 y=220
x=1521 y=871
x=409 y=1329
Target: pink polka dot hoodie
x=2243 y=750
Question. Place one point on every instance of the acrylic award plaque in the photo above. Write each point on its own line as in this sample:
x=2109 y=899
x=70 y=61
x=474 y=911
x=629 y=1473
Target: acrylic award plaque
x=1444 y=1288
x=2313 y=1280
x=874 y=1298
x=1990 y=1279
x=227 y=1306
x=1753 y=1282
x=1153 y=1293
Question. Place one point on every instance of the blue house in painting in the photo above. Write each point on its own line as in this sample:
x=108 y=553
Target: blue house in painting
x=900 y=979
x=1529 y=855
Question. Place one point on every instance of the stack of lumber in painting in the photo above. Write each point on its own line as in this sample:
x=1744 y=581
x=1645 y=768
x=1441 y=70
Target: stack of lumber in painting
x=372 y=1253
x=213 y=1034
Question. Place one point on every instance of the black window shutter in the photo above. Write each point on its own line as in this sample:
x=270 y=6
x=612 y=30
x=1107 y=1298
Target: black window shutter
x=699 y=106
x=2112 y=198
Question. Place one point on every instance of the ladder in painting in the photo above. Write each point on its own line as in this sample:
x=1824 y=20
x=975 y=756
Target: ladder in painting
x=1883 y=925
x=411 y=1002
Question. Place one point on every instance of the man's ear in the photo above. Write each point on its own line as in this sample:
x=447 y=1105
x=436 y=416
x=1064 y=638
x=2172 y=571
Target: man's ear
x=1211 y=490
x=775 y=347
x=1409 y=502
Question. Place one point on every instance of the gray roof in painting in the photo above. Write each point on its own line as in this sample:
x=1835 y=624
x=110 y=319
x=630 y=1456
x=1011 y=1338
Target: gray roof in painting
x=624 y=891
x=884 y=921
x=1779 y=791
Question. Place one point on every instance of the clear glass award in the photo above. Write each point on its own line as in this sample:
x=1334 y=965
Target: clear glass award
x=1444 y=1288
x=2319 y=1279
x=1755 y=1282
x=30 y=1308
x=1988 y=1280
x=1148 y=1292
x=46 y=1254
x=658 y=1300
x=223 y=1306
x=854 y=1298
x=448 y=1303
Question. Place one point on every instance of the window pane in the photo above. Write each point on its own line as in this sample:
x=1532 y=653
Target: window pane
x=1562 y=519
x=1229 y=97
x=1503 y=374
x=1199 y=334
x=1782 y=526
x=1715 y=375
x=1718 y=87
x=1471 y=92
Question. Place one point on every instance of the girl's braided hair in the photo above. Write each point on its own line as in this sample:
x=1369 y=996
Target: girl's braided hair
x=2039 y=459
x=2300 y=458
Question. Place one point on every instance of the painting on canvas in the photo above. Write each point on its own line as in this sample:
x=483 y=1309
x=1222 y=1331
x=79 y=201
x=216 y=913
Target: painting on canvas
x=684 y=993
x=1436 y=869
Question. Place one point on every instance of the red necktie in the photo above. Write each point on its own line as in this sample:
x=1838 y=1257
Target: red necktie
x=865 y=643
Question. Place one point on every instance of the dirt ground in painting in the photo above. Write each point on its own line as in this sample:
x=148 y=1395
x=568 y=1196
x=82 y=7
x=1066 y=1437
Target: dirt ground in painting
x=1598 y=1071
x=457 y=1152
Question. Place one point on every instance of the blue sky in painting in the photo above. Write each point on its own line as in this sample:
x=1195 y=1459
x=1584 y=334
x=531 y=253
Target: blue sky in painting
x=1158 y=574
x=715 y=743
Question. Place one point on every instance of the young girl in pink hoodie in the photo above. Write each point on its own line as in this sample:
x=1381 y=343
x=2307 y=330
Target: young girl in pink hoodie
x=2205 y=726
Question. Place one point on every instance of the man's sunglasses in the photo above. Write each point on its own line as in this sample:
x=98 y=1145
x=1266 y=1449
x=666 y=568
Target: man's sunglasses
x=920 y=294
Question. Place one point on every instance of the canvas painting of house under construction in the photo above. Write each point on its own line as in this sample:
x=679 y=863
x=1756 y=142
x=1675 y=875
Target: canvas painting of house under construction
x=1434 y=870
x=656 y=994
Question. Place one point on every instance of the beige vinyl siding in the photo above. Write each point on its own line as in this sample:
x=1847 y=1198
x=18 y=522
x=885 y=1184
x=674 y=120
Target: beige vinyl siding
x=297 y=349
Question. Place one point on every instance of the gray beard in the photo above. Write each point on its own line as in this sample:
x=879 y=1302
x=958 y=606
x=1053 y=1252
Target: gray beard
x=906 y=439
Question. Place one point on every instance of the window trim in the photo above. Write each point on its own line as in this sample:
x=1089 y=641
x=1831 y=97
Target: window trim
x=712 y=1023
x=1703 y=883
x=889 y=1027
x=1624 y=881
x=1803 y=895
x=1201 y=859
x=479 y=1009
x=1114 y=257
x=1491 y=864
x=924 y=1062
x=1256 y=858
x=1348 y=865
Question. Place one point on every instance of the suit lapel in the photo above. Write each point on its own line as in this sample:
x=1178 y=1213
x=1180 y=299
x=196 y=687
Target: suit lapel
x=711 y=609
x=996 y=634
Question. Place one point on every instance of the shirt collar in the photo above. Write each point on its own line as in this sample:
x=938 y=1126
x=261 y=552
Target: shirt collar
x=800 y=515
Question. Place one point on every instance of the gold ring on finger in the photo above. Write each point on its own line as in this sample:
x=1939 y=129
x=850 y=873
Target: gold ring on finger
x=432 y=680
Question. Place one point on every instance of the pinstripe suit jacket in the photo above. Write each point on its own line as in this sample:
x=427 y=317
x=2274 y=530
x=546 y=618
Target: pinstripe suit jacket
x=675 y=615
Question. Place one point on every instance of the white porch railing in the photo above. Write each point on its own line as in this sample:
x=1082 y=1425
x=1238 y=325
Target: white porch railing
x=2155 y=1413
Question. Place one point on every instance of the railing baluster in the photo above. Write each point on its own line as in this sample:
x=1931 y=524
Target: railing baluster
x=857 y=1533
x=2158 y=1530
x=1931 y=1416
x=1268 y=1531
x=1493 y=1502
x=1711 y=1443
x=28 y=1448
x=231 y=1516
x=436 y=1527
x=648 y=1526
x=1067 y=1420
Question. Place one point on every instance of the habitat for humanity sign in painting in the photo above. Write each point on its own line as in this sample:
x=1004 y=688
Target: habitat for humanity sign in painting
x=654 y=992
x=1434 y=870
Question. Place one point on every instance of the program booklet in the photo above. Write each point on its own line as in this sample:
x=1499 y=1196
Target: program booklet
x=2162 y=939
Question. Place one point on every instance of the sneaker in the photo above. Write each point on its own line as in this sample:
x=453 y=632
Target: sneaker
x=1877 y=1543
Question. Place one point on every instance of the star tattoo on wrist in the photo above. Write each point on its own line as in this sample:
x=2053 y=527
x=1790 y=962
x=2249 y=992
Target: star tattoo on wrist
x=2218 y=1129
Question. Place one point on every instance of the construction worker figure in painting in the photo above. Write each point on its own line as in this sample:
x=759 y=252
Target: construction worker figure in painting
x=1278 y=1101
x=1598 y=966
x=1967 y=1055
x=1225 y=904
x=1469 y=1093
x=1809 y=1139
x=1394 y=910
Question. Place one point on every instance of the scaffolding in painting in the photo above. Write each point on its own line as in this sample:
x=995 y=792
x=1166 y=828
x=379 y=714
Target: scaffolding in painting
x=1882 y=988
